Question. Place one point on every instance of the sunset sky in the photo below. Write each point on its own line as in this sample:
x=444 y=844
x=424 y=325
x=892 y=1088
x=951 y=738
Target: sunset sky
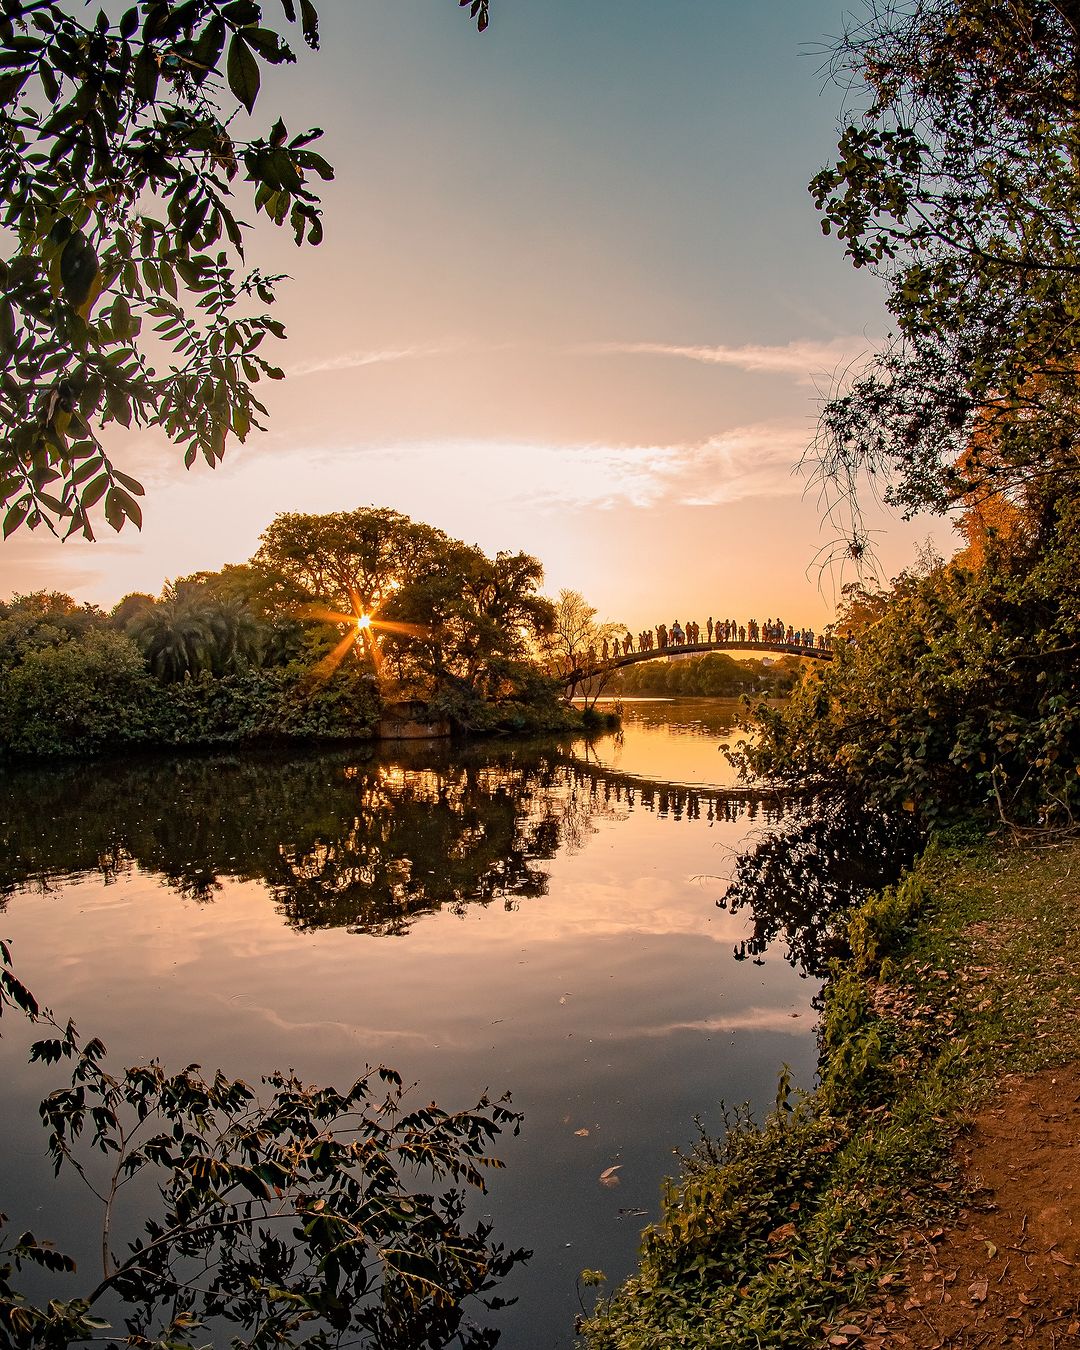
x=573 y=299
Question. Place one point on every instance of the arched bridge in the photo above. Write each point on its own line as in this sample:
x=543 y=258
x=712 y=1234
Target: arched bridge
x=581 y=674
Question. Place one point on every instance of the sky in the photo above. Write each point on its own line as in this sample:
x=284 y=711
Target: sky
x=573 y=299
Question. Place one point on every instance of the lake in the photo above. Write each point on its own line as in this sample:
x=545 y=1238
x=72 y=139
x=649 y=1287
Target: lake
x=536 y=917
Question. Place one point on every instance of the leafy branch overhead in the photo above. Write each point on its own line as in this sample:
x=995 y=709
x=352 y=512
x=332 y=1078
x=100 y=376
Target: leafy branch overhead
x=125 y=295
x=957 y=184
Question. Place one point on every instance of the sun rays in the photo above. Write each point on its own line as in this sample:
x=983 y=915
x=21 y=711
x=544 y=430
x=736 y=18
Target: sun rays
x=362 y=624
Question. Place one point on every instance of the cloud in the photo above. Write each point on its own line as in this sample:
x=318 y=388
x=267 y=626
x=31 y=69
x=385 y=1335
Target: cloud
x=754 y=461
x=804 y=360
x=355 y=359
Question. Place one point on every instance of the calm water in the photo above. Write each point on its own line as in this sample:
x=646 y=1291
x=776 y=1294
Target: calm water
x=541 y=918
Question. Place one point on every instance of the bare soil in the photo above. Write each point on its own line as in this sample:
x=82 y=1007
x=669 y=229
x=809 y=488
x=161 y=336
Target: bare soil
x=1008 y=1273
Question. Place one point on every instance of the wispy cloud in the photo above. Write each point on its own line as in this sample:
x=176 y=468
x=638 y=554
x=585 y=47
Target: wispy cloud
x=751 y=461
x=354 y=360
x=804 y=360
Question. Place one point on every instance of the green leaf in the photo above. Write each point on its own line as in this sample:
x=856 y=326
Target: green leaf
x=209 y=47
x=243 y=72
x=242 y=12
x=15 y=516
x=132 y=484
x=310 y=20
x=94 y=491
x=78 y=269
x=146 y=75
x=85 y=470
x=10 y=85
x=269 y=45
x=120 y=507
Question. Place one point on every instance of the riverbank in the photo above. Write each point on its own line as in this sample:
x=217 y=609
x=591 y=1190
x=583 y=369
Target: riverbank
x=72 y=704
x=961 y=983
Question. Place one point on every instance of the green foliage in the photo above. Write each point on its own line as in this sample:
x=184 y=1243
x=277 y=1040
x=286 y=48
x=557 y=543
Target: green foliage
x=957 y=184
x=450 y=625
x=42 y=619
x=78 y=697
x=963 y=972
x=881 y=924
x=284 y=1217
x=119 y=160
x=461 y=618
x=280 y=703
x=961 y=697
x=713 y=675
x=120 y=151
x=95 y=696
x=191 y=629
x=718 y=1268
x=258 y=650
x=347 y=561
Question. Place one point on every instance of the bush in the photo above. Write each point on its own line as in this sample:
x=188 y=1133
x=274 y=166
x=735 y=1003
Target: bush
x=78 y=698
x=962 y=696
x=96 y=696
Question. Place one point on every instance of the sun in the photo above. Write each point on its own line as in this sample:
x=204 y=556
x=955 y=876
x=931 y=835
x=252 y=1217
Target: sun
x=363 y=621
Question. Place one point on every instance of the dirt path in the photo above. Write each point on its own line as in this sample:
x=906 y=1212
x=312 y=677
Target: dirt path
x=1009 y=1272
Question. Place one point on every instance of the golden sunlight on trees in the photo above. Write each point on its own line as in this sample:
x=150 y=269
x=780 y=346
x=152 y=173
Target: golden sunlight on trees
x=575 y=632
x=435 y=616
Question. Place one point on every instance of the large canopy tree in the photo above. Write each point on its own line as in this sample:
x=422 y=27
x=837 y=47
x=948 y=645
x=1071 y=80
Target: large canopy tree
x=958 y=183
x=346 y=561
x=467 y=619
x=121 y=147
x=441 y=611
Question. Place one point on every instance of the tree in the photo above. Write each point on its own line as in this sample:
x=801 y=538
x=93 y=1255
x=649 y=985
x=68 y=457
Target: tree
x=575 y=641
x=436 y=615
x=285 y=1221
x=466 y=619
x=349 y=562
x=175 y=635
x=77 y=697
x=41 y=620
x=958 y=185
x=119 y=160
x=574 y=632
x=957 y=697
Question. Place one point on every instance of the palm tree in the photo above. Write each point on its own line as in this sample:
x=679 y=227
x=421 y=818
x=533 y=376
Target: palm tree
x=175 y=635
x=238 y=636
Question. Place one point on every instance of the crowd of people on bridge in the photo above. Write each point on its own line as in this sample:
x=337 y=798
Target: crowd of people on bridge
x=717 y=632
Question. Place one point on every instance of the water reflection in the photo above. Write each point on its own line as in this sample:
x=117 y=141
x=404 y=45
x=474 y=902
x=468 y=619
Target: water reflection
x=798 y=879
x=340 y=840
x=562 y=941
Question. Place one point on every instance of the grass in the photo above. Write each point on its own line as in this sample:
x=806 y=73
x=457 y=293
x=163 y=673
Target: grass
x=771 y=1237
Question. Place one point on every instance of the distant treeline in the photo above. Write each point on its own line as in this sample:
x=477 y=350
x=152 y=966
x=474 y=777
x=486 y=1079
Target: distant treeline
x=712 y=674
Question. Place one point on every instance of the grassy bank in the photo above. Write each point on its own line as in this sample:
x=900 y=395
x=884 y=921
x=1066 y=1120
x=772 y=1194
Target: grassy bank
x=968 y=969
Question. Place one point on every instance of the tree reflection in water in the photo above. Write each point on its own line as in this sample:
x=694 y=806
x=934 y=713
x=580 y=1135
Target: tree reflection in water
x=801 y=877
x=346 y=839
